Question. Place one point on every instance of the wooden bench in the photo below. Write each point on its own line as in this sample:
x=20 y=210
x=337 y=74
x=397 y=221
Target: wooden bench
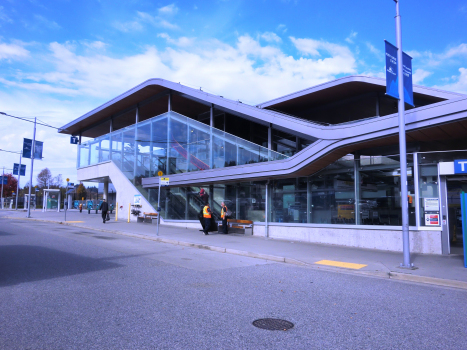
x=148 y=217
x=238 y=226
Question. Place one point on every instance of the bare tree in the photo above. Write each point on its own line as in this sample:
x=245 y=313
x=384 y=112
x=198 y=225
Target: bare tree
x=44 y=178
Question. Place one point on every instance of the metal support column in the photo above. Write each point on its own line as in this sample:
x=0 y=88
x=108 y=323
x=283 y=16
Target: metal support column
x=169 y=107
x=266 y=211
x=211 y=123
x=402 y=145
x=309 y=203
x=377 y=104
x=443 y=214
x=136 y=145
x=106 y=190
x=269 y=141
x=356 y=172
x=416 y=190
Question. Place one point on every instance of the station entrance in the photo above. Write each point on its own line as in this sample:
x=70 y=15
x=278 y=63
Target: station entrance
x=455 y=185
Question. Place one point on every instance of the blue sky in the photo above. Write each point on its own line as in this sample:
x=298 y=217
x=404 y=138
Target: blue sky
x=60 y=59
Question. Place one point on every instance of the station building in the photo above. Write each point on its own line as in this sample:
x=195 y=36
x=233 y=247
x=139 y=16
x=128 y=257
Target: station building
x=318 y=165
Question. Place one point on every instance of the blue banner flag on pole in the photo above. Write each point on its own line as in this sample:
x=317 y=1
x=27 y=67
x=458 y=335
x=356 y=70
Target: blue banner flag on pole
x=27 y=149
x=407 y=72
x=391 y=70
x=4 y=180
x=15 y=168
x=391 y=74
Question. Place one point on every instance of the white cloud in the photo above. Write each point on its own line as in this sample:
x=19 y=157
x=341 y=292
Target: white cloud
x=351 y=37
x=46 y=22
x=95 y=45
x=459 y=84
x=378 y=53
x=169 y=10
x=281 y=28
x=156 y=21
x=419 y=75
x=271 y=37
x=182 y=41
x=12 y=51
x=126 y=27
x=4 y=17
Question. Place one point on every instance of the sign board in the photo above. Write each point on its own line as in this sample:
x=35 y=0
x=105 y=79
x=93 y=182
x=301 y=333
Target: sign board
x=70 y=185
x=74 y=140
x=164 y=181
x=392 y=88
x=432 y=219
x=160 y=173
x=137 y=199
x=22 y=171
x=431 y=204
x=27 y=149
x=4 y=180
x=460 y=166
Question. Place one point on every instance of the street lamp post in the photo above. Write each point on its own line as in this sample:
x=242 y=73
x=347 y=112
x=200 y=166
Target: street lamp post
x=402 y=145
x=33 y=149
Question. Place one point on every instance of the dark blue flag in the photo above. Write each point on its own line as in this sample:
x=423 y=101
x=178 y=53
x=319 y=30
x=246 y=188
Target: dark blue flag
x=392 y=88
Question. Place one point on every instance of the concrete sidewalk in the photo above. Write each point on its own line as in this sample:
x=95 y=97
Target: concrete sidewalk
x=431 y=269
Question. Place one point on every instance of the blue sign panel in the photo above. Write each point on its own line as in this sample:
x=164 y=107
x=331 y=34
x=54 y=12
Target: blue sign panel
x=4 y=180
x=74 y=140
x=391 y=70
x=460 y=166
x=392 y=81
x=27 y=149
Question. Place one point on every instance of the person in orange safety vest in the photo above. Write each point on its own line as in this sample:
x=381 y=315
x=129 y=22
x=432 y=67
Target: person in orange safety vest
x=207 y=218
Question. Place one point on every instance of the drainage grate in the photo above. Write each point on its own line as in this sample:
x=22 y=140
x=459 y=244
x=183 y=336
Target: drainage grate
x=273 y=324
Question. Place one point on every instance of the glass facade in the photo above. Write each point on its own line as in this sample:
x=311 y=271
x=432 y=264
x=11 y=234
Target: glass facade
x=173 y=144
x=352 y=191
x=328 y=197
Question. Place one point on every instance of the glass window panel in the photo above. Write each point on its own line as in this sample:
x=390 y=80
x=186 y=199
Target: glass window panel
x=117 y=148
x=105 y=149
x=143 y=162
x=94 y=158
x=380 y=191
x=84 y=155
x=289 y=200
x=178 y=146
x=333 y=195
x=159 y=146
x=198 y=148
x=128 y=156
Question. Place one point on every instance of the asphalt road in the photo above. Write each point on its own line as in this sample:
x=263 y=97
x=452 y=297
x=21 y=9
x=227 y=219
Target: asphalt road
x=63 y=287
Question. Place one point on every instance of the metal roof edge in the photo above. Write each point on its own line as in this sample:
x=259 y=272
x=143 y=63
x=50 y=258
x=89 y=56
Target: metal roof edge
x=357 y=78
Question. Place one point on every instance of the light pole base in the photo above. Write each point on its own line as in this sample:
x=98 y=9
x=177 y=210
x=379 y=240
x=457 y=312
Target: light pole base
x=410 y=267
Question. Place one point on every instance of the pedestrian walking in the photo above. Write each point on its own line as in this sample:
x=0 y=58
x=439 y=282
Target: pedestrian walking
x=104 y=207
x=207 y=218
x=224 y=218
x=80 y=207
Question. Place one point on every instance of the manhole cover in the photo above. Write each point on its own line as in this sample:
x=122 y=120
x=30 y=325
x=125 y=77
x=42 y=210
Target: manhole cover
x=273 y=324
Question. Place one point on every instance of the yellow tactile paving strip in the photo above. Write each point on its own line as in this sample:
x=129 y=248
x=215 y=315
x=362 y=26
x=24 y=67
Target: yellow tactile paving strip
x=340 y=264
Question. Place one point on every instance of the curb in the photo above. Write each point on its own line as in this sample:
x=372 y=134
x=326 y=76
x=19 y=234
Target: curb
x=378 y=274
